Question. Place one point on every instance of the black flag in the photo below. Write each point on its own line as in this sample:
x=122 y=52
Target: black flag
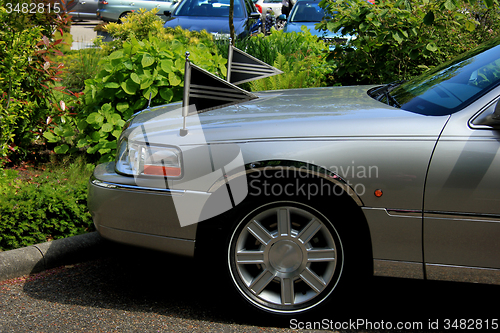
x=207 y=91
x=242 y=67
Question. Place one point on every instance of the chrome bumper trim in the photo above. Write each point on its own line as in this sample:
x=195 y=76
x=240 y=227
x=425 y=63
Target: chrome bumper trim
x=115 y=186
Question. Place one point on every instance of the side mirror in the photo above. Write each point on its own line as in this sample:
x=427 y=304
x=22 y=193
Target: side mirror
x=490 y=117
x=167 y=13
x=282 y=17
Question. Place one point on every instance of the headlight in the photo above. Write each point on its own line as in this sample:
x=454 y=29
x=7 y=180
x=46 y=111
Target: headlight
x=140 y=159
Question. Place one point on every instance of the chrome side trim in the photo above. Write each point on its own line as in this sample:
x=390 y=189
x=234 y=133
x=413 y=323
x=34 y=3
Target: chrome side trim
x=115 y=186
x=291 y=166
x=400 y=269
x=462 y=216
x=404 y=212
x=462 y=274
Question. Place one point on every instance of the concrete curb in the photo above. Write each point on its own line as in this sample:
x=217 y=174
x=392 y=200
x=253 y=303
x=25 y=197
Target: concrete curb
x=40 y=257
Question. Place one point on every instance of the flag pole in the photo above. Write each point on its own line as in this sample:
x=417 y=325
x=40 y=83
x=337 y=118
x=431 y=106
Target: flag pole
x=229 y=60
x=185 y=100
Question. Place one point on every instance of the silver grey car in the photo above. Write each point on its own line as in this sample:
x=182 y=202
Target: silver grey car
x=301 y=193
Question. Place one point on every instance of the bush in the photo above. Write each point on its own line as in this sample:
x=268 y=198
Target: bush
x=37 y=206
x=301 y=56
x=27 y=75
x=129 y=76
x=401 y=39
x=141 y=24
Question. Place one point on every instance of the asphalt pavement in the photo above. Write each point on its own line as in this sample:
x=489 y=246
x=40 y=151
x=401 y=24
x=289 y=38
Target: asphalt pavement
x=107 y=287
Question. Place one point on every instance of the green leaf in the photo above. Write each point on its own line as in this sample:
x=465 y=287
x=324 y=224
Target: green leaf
x=62 y=149
x=82 y=143
x=151 y=90
x=105 y=108
x=95 y=136
x=450 y=5
x=470 y=26
x=147 y=60
x=122 y=106
x=398 y=37
x=95 y=118
x=135 y=78
x=82 y=124
x=116 y=133
x=174 y=79
x=116 y=55
x=129 y=86
x=166 y=94
x=432 y=47
x=107 y=127
x=146 y=83
x=166 y=65
x=429 y=18
x=50 y=137
x=59 y=131
x=111 y=85
x=114 y=119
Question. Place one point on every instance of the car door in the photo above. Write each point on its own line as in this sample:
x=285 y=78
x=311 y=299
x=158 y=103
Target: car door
x=161 y=5
x=85 y=9
x=462 y=197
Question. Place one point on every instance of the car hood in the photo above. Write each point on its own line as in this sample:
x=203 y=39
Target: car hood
x=311 y=26
x=215 y=25
x=316 y=113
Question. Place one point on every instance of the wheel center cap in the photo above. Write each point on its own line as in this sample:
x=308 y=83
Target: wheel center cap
x=285 y=256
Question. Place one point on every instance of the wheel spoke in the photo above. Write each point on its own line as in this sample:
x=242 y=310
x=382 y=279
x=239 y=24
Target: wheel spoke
x=250 y=257
x=259 y=232
x=309 y=231
x=316 y=255
x=260 y=282
x=314 y=281
x=287 y=291
x=284 y=223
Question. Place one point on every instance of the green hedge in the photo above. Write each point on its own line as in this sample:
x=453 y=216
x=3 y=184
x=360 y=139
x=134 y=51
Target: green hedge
x=37 y=206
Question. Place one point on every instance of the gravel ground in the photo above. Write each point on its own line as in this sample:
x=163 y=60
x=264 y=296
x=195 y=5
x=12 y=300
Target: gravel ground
x=143 y=291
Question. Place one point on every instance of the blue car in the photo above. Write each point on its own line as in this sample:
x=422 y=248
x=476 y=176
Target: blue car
x=213 y=16
x=308 y=13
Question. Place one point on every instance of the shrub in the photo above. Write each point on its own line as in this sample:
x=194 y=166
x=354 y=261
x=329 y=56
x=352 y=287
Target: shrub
x=141 y=24
x=129 y=76
x=27 y=75
x=398 y=39
x=299 y=71
x=37 y=206
x=301 y=56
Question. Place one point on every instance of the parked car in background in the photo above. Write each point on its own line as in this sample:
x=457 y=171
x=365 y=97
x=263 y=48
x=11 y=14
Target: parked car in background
x=274 y=5
x=114 y=10
x=308 y=191
x=213 y=16
x=308 y=13
x=82 y=9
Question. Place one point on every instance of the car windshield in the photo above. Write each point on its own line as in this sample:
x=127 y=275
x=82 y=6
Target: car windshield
x=307 y=12
x=208 y=8
x=451 y=86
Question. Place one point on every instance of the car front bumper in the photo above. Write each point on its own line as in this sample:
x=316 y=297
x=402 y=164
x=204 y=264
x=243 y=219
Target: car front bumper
x=131 y=214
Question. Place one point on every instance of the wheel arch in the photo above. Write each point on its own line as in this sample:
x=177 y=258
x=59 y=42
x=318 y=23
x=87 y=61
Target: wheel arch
x=349 y=199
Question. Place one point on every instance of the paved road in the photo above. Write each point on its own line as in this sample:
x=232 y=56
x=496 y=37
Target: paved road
x=83 y=33
x=143 y=291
